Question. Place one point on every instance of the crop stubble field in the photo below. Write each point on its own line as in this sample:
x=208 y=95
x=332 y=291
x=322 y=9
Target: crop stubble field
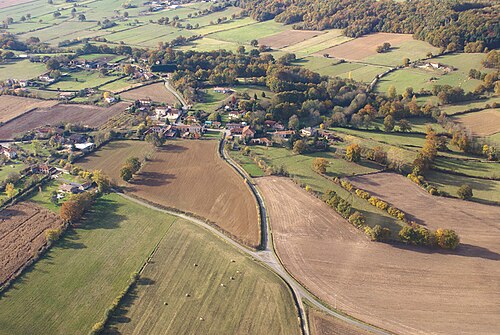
x=190 y=176
x=12 y=106
x=22 y=228
x=92 y=116
x=322 y=324
x=375 y=281
x=255 y=301
x=288 y=38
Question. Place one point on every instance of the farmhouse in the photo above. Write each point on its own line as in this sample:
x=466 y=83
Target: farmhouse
x=230 y=126
x=262 y=141
x=85 y=147
x=188 y=128
x=145 y=102
x=10 y=153
x=271 y=124
x=234 y=115
x=167 y=113
x=69 y=188
x=225 y=90
x=283 y=133
x=245 y=132
x=309 y=131
x=42 y=169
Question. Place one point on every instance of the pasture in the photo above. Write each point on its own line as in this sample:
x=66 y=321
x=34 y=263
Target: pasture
x=156 y=92
x=22 y=228
x=92 y=264
x=76 y=81
x=190 y=176
x=247 y=33
x=376 y=282
x=12 y=106
x=252 y=299
x=21 y=70
x=113 y=155
x=480 y=169
x=425 y=79
x=91 y=116
x=463 y=107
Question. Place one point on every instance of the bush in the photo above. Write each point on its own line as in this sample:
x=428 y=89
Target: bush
x=373 y=201
x=382 y=205
x=447 y=238
x=347 y=185
x=353 y=153
x=319 y=165
x=378 y=233
x=52 y=235
x=357 y=219
x=416 y=235
x=465 y=192
x=362 y=194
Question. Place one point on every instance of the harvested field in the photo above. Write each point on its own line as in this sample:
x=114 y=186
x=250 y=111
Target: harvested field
x=254 y=301
x=482 y=123
x=92 y=116
x=190 y=176
x=156 y=92
x=22 y=228
x=288 y=37
x=365 y=46
x=406 y=290
x=11 y=106
x=112 y=156
x=323 y=324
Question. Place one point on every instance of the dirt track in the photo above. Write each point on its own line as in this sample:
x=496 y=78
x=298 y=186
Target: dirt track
x=22 y=235
x=78 y=114
x=190 y=176
x=405 y=290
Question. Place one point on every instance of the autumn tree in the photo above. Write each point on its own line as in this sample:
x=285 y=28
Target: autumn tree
x=353 y=153
x=465 y=192
x=102 y=181
x=389 y=123
x=154 y=139
x=52 y=235
x=447 y=238
x=299 y=147
x=10 y=191
x=319 y=165
x=404 y=125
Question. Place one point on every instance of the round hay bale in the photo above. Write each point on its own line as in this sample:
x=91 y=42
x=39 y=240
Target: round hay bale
x=165 y=303
x=237 y=271
x=222 y=285
x=188 y=295
x=232 y=261
x=232 y=278
x=195 y=264
x=201 y=319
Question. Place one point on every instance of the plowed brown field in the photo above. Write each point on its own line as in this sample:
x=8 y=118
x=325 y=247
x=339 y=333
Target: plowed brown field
x=365 y=46
x=482 y=123
x=11 y=106
x=190 y=176
x=22 y=235
x=92 y=116
x=405 y=290
x=322 y=324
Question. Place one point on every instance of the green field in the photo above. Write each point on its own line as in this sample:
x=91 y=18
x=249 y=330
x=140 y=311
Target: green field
x=423 y=79
x=69 y=289
x=411 y=49
x=211 y=100
x=76 y=81
x=247 y=164
x=483 y=190
x=243 y=35
x=10 y=168
x=21 y=70
x=468 y=167
x=255 y=302
x=462 y=107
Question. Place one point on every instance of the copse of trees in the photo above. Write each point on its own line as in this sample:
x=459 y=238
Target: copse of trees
x=73 y=209
x=131 y=166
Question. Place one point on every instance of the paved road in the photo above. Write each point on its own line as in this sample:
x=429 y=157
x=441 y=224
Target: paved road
x=176 y=94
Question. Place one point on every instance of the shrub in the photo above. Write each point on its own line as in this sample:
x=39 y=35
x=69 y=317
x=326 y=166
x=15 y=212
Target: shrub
x=357 y=219
x=353 y=153
x=416 y=235
x=447 y=238
x=382 y=205
x=465 y=192
x=362 y=194
x=378 y=233
x=414 y=178
x=319 y=165
x=347 y=185
x=52 y=235
x=373 y=201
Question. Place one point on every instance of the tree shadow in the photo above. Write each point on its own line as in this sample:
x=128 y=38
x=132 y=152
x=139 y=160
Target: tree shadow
x=152 y=179
x=120 y=314
x=464 y=250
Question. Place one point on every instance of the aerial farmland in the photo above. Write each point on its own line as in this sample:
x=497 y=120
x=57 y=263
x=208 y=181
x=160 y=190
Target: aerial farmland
x=249 y=167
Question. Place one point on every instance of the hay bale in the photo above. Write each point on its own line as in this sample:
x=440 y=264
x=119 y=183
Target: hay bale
x=232 y=261
x=165 y=303
x=232 y=278
x=222 y=285
x=202 y=319
x=195 y=264
x=188 y=295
